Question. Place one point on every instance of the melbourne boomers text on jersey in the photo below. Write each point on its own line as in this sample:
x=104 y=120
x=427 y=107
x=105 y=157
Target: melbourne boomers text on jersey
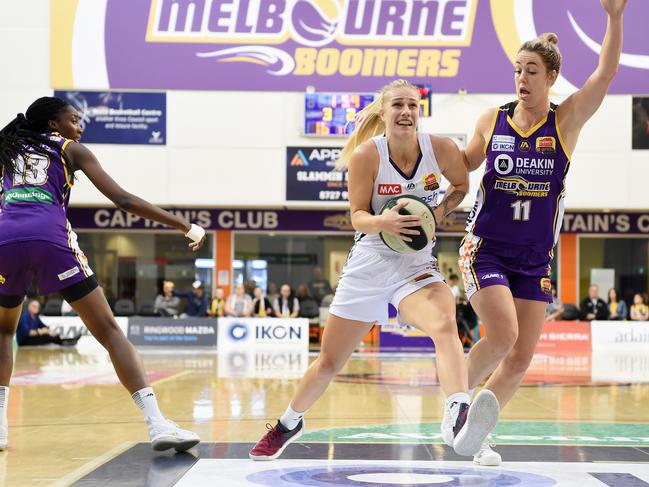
x=520 y=199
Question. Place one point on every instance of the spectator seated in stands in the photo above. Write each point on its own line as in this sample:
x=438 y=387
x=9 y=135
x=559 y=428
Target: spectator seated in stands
x=32 y=331
x=617 y=309
x=319 y=287
x=238 y=304
x=217 y=307
x=639 y=308
x=196 y=301
x=261 y=307
x=554 y=310
x=166 y=304
x=593 y=307
x=309 y=307
x=286 y=305
x=453 y=284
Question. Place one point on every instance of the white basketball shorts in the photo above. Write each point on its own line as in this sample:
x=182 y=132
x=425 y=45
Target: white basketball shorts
x=370 y=280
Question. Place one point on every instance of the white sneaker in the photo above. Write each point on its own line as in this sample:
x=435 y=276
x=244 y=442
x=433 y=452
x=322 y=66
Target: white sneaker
x=4 y=436
x=481 y=419
x=487 y=457
x=447 y=427
x=166 y=434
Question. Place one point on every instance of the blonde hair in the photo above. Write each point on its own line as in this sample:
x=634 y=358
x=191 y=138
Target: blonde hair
x=545 y=46
x=369 y=121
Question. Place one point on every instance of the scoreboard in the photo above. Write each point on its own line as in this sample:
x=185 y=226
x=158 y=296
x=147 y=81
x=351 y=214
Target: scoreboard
x=333 y=113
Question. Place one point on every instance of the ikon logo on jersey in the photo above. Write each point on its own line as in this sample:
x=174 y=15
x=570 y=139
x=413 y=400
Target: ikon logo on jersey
x=546 y=145
x=503 y=143
x=389 y=189
x=411 y=187
x=431 y=183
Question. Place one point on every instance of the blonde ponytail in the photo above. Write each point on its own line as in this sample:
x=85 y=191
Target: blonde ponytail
x=369 y=123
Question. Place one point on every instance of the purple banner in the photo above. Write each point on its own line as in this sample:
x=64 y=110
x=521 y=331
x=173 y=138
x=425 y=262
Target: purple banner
x=336 y=45
x=243 y=220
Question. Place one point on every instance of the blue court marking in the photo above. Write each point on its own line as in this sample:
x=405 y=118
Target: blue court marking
x=332 y=476
x=619 y=479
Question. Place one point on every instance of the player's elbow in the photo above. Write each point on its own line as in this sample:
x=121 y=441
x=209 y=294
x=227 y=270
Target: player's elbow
x=124 y=202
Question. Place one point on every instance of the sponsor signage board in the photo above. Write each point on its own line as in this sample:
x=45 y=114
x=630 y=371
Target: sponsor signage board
x=242 y=333
x=111 y=117
x=169 y=332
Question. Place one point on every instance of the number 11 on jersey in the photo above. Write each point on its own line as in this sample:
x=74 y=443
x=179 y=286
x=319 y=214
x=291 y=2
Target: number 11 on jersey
x=522 y=210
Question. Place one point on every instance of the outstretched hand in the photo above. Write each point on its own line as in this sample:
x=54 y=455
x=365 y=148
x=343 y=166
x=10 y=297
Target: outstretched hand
x=197 y=245
x=614 y=8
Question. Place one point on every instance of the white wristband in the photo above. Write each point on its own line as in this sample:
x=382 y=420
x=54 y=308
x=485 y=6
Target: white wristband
x=195 y=233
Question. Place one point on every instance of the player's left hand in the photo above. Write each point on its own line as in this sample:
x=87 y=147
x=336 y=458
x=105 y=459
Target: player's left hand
x=197 y=245
x=197 y=235
x=614 y=7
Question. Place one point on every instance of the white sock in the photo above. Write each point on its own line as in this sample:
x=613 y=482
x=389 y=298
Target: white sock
x=4 y=403
x=291 y=418
x=145 y=399
x=453 y=403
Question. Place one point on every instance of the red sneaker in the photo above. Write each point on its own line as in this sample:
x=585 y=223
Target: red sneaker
x=275 y=441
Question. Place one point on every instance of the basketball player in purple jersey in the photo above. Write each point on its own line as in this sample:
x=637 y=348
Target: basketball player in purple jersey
x=39 y=153
x=516 y=219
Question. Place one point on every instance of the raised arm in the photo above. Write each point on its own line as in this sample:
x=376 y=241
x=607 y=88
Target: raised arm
x=575 y=111
x=83 y=159
x=451 y=164
x=475 y=151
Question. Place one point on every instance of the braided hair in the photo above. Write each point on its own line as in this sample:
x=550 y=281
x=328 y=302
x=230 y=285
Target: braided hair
x=28 y=129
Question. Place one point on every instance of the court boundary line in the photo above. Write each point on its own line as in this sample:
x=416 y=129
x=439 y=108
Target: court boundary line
x=92 y=465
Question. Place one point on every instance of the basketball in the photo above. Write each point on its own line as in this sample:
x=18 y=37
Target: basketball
x=416 y=206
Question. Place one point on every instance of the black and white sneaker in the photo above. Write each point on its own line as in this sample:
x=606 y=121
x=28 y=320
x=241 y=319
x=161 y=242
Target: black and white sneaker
x=481 y=418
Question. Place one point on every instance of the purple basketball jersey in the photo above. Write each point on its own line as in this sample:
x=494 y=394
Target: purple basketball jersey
x=35 y=197
x=520 y=199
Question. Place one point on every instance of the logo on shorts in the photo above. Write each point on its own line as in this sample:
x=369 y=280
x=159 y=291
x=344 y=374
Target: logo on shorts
x=546 y=286
x=69 y=273
x=389 y=189
x=546 y=145
x=491 y=276
x=2 y=279
x=422 y=277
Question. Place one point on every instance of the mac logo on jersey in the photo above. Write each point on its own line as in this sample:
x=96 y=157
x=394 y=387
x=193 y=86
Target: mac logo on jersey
x=389 y=189
x=503 y=164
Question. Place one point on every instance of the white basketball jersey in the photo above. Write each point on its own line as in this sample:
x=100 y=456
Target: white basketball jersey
x=390 y=182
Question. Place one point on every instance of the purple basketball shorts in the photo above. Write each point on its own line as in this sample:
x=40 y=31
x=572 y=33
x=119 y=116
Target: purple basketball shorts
x=525 y=271
x=55 y=267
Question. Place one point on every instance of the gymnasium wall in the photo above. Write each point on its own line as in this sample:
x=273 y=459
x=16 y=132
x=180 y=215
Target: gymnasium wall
x=228 y=148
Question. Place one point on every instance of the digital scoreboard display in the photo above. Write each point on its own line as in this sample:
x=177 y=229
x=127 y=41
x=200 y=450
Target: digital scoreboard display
x=329 y=113
x=333 y=113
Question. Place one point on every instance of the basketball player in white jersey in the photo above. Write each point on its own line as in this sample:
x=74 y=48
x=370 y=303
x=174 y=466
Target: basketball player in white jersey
x=386 y=157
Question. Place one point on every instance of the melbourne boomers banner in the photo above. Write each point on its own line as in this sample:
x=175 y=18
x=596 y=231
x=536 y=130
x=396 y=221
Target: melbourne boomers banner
x=339 y=45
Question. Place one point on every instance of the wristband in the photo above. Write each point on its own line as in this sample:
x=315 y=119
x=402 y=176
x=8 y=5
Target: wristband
x=195 y=233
